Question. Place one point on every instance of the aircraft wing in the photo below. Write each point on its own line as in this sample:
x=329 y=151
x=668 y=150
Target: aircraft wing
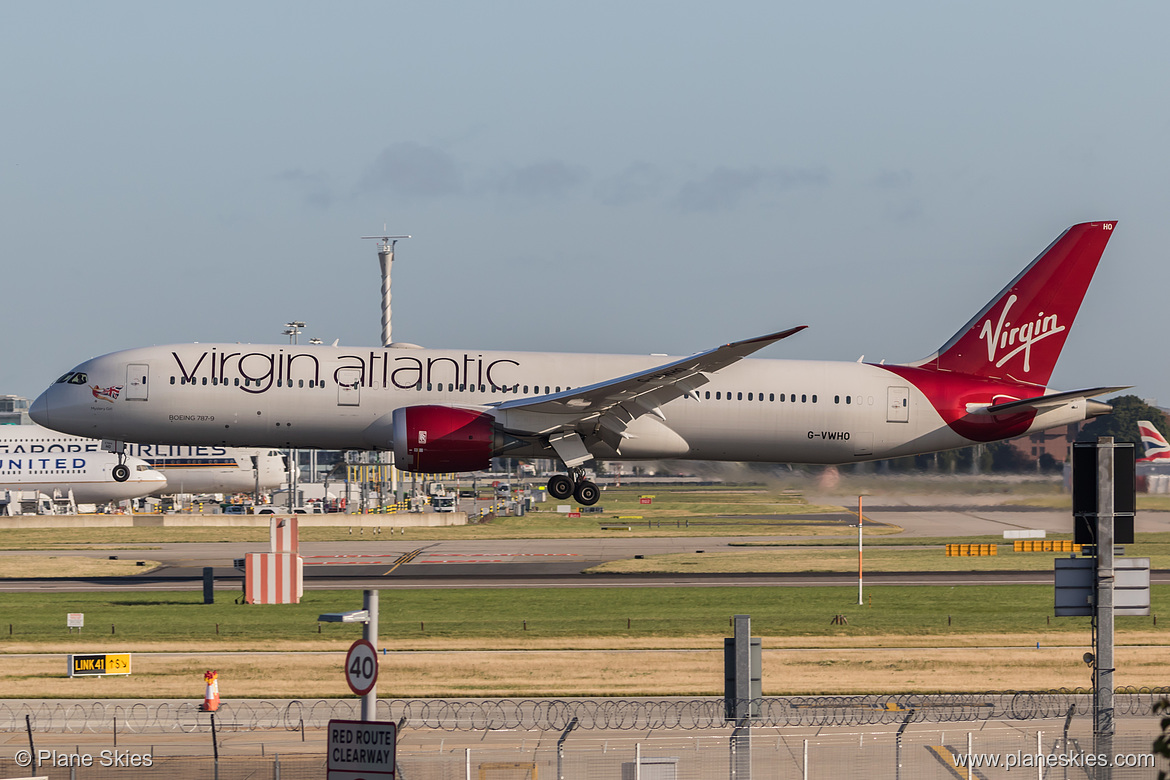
x=614 y=404
x=1043 y=402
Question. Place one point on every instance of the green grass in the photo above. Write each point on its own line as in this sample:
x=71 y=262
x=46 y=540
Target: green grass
x=490 y=615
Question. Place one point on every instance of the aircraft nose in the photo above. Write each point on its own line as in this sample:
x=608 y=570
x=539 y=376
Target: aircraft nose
x=39 y=411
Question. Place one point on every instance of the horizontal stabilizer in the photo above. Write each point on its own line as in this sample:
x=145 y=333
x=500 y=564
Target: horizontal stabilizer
x=1043 y=402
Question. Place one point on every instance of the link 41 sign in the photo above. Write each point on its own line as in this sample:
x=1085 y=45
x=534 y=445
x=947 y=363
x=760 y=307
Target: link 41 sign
x=362 y=750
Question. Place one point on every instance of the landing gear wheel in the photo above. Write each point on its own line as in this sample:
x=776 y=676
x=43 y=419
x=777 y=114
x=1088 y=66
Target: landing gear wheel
x=586 y=493
x=560 y=487
x=120 y=473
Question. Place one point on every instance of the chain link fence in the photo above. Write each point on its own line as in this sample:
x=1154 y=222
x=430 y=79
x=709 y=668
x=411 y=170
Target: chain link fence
x=925 y=755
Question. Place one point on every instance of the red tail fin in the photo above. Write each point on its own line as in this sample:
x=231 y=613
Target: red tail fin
x=1019 y=335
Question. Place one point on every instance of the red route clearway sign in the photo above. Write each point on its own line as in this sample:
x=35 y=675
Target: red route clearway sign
x=361 y=750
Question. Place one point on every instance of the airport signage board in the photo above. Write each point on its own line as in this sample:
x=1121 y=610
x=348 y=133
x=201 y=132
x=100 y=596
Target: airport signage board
x=361 y=667
x=361 y=750
x=75 y=620
x=98 y=664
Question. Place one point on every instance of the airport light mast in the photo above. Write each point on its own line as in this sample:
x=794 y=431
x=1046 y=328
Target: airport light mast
x=386 y=259
x=292 y=330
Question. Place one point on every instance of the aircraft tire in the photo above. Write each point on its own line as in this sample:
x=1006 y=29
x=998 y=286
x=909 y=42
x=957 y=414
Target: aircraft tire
x=586 y=493
x=120 y=473
x=560 y=487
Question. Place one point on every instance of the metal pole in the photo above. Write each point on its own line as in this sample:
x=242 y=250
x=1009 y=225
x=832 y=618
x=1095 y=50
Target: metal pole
x=370 y=634
x=970 y=749
x=860 y=520
x=561 y=748
x=1103 y=726
x=741 y=738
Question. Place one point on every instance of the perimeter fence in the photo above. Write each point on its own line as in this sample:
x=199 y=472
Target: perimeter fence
x=644 y=714
x=932 y=753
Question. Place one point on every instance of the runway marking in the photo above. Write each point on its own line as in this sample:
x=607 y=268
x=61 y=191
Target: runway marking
x=407 y=558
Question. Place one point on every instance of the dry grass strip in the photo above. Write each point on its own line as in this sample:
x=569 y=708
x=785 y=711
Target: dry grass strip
x=600 y=672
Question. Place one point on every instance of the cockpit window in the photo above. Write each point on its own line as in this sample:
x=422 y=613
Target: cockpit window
x=64 y=379
x=75 y=378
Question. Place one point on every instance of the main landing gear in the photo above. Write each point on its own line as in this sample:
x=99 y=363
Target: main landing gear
x=561 y=487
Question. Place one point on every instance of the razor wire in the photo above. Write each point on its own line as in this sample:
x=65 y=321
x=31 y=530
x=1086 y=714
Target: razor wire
x=557 y=714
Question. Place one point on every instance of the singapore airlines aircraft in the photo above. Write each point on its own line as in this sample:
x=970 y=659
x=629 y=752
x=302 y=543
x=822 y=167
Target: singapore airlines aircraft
x=187 y=469
x=87 y=474
x=453 y=410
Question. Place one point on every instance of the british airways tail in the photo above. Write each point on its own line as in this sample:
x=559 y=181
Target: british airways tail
x=1157 y=449
x=1018 y=336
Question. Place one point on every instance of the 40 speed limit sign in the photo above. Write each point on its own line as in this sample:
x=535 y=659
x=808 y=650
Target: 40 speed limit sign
x=361 y=667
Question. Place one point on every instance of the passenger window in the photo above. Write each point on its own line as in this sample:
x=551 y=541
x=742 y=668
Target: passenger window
x=804 y=399
x=718 y=395
x=739 y=396
x=772 y=397
x=172 y=380
x=749 y=396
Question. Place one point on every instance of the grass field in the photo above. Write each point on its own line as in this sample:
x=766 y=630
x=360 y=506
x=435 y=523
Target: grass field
x=517 y=617
x=591 y=641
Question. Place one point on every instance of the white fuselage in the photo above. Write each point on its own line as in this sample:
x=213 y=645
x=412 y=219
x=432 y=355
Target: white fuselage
x=34 y=463
x=343 y=398
x=186 y=468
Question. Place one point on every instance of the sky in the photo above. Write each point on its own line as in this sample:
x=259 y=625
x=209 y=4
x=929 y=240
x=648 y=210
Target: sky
x=654 y=177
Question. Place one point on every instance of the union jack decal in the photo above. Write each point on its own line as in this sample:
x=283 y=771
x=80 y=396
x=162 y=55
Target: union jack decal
x=106 y=393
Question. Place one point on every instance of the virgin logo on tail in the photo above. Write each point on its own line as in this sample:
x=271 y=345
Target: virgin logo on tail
x=1021 y=337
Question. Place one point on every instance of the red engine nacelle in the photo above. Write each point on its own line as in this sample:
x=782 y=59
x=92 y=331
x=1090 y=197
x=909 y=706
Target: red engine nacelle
x=437 y=439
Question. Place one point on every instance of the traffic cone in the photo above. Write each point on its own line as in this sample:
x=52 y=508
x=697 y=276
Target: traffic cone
x=211 y=697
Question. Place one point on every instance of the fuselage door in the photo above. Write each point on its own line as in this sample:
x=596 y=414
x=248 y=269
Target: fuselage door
x=898 y=404
x=349 y=384
x=136 y=374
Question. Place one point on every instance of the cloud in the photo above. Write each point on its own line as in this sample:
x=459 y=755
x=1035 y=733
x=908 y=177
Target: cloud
x=725 y=188
x=893 y=179
x=314 y=187
x=550 y=179
x=412 y=170
x=638 y=182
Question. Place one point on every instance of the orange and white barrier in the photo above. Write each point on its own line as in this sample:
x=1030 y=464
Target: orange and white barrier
x=282 y=534
x=273 y=578
x=211 y=695
x=276 y=577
